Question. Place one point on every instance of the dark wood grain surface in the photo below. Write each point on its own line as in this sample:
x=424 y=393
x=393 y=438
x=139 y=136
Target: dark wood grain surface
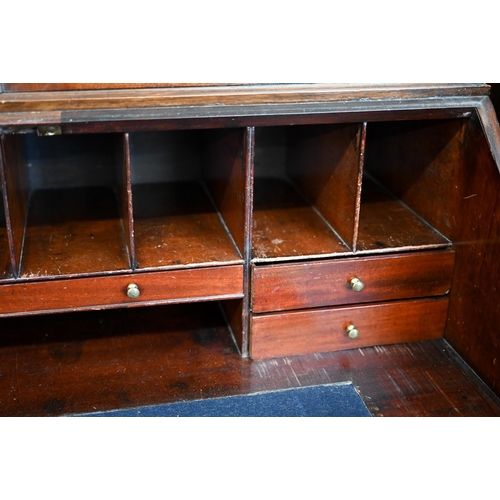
x=324 y=329
x=101 y=360
x=230 y=95
x=103 y=292
x=326 y=283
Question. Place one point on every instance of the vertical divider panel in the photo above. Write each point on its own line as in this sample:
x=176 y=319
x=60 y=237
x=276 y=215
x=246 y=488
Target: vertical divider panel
x=16 y=198
x=247 y=283
x=325 y=162
x=357 y=211
x=224 y=172
x=228 y=170
x=124 y=178
x=8 y=253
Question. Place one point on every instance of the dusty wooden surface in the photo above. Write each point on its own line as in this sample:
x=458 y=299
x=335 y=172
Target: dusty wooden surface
x=176 y=225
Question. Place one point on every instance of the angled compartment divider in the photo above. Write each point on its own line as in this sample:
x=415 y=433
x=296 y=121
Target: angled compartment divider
x=307 y=188
x=406 y=183
x=6 y=254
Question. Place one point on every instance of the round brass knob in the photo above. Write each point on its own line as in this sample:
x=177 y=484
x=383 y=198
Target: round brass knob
x=357 y=285
x=133 y=291
x=352 y=332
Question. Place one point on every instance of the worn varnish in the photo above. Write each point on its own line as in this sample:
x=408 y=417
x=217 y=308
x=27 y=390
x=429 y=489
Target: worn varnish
x=80 y=362
x=286 y=226
x=73 y=231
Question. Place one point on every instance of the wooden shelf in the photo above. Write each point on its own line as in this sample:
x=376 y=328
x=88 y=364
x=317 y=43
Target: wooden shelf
x=286 y=227
x=386 y=224
x=176 y=225
x=73 y=232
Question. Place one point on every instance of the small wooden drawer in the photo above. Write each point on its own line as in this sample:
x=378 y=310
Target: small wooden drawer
x=324 y=330
x=187 y=285
x=284 y=287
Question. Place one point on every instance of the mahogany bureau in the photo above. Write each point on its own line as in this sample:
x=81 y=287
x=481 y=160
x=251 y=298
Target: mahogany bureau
x=321 y=217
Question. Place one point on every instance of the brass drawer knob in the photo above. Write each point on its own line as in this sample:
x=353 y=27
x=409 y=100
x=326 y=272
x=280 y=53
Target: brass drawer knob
x=133 y=291
x=352 y=332
x=357 y=285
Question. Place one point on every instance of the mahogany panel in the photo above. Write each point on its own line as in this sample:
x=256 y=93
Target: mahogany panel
x=419 y=161
x=325 y=162
x=188 y=285
x=285 y=226
x=318 y=284
x=445 y=171
x=387 y=224
x=324 y=330
x=176 y=225
x=474 y=308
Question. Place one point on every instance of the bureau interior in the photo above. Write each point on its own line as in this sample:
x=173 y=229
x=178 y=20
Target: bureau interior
x=89 y=204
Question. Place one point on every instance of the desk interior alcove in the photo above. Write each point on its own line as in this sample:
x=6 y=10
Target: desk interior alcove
x=227 y=207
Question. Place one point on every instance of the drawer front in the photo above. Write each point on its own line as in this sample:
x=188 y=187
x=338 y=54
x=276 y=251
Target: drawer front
x=318 y=284
x=102 y=292
x=324 y=330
